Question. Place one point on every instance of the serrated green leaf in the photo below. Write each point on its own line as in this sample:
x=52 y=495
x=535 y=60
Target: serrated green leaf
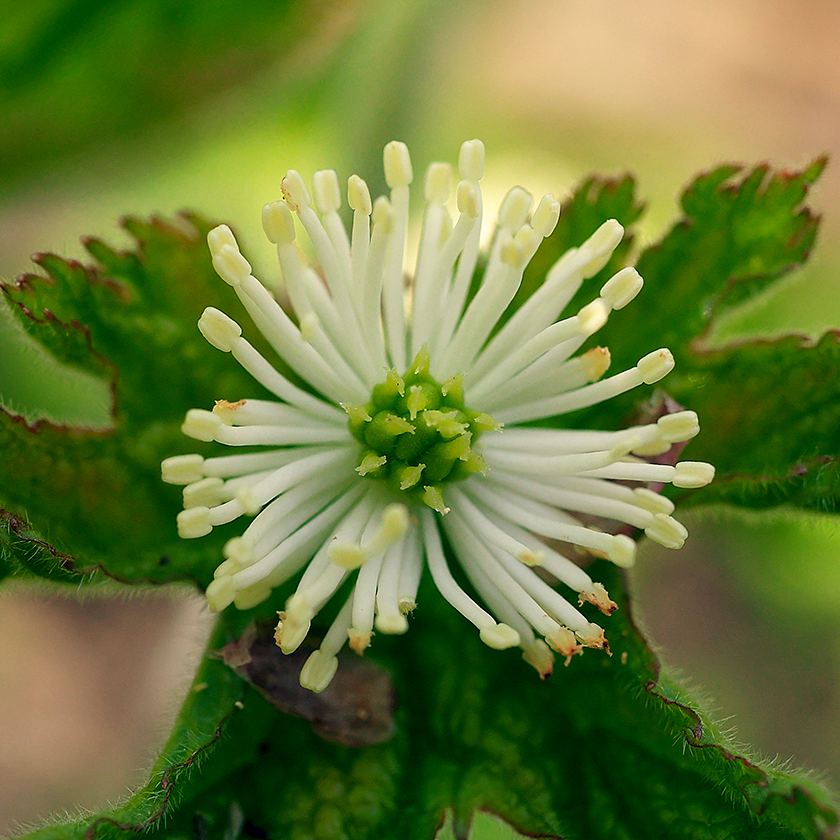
x=772 y=421
x=605 y=748
x=742 y=230
x=768 y=409
x=97 y=495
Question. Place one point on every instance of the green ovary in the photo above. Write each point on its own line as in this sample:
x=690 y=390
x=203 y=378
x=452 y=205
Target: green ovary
x=418 y=435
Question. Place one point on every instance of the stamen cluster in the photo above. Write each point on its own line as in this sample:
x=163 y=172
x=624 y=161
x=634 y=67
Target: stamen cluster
x=382 y=468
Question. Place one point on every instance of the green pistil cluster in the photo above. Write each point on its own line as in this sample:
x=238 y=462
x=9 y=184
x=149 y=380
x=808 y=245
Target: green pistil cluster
x=417 y=434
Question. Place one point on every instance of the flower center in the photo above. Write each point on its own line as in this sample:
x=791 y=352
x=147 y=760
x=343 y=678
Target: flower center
x=417 y=435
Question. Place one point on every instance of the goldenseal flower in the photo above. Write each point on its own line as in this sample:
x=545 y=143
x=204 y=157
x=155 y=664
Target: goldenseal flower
x=410 y=449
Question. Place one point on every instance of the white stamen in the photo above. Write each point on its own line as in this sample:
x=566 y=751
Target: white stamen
x=315 y=490
x=182 y=469
x=222 y=332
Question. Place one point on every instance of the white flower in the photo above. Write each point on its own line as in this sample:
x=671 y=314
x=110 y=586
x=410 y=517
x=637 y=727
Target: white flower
x=410 y=435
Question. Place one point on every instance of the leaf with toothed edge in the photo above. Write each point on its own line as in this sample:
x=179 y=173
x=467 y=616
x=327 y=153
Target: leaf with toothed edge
x=76 y=485
x=606 y=747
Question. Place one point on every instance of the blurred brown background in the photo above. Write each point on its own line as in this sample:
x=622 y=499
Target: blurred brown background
x=749 y=609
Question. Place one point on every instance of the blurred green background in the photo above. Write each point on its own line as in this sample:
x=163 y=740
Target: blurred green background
x=146 y=106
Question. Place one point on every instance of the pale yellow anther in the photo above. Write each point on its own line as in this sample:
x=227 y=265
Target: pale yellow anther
x=201 y=425
x=438 y=183
x=371 y=462
x=358 y=195
x=278 y=223
x=294 y=190
x=655 y=365
x=398 y=172
x=255 y=594
x=539 y=655
x=515 y=209
x=692 y=474
x=383 y=215
x=295 y=623
x=182 y=469
x=239 y=552
x=220 y=593
x=230 y=265
x=471 y=160
x=546 y=216
x=299 y=608
x=250 y=503
x=318 y=671
x=392 y=624
x=392 y=526
x=469 y=199
x=219 y=330
x=679 y=427
x=601 y=245
x=227 y=568
x=652 y=502
x=220 y=236
x=652 y=449
x=326 y=191
x=203 y=493
x=499 y=636
x=347 y=555
x=666 y=531
x=595 y=363
x=622 y=287
x=291 y=633
x=592 y=317
x=194 y=523
x=622 y=552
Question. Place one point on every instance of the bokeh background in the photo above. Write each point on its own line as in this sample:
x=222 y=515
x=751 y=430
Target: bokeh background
x=148 y=106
